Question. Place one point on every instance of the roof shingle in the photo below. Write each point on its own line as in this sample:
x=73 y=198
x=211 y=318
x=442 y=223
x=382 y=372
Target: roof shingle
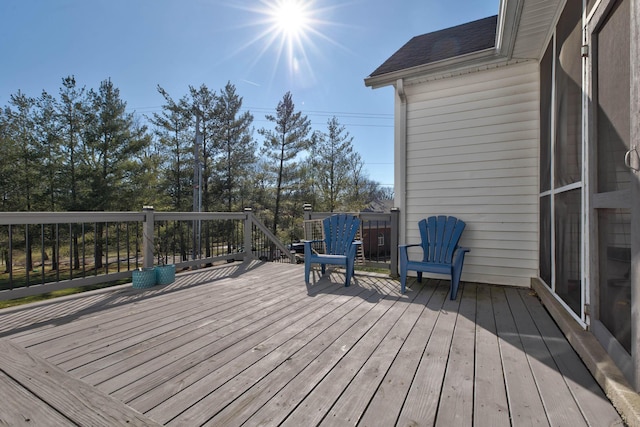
x=443 y=44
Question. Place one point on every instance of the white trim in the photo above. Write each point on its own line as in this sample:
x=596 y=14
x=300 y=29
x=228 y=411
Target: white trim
x=469 y=60
x=400 y=154
x=586 y=216
x=552 y=150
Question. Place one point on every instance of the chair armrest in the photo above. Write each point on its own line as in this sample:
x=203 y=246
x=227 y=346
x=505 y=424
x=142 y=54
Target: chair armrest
x=409 y=246
x=308 y=249
x=458 y=255
x=404 y=255
x=461 y=250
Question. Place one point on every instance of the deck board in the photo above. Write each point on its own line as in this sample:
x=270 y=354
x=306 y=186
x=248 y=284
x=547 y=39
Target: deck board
x=202 y=378
x=308 y=365
x=457 y=390
x=560 y=406
x=75 y=400
x=22 y=407
x=353 y=375
x=525 y=405
x=422 y=402
x=346 y=407
x=491 y=408
x=389 y=399
x=589 y=396
x=251 y=343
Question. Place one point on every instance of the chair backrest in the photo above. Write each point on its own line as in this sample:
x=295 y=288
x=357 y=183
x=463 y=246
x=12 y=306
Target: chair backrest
x=440 y=236
x=339 y=232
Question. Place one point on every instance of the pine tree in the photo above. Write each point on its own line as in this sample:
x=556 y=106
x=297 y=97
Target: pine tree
x=203 y=109
x=332 y=157
x=237 y=146
x=26 y=170
x=48 y=134
x=173 y=127
x=72 y=109
x=237 y=150
x=112 y=139
x=175 y=134
x=283 y=145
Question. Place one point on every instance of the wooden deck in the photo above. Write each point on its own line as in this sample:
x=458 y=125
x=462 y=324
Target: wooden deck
x=250 y=344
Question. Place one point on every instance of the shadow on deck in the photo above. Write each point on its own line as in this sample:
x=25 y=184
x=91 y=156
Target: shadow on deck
x=250 y=343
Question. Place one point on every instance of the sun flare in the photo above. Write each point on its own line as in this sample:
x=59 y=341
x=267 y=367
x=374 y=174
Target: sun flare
x=291 y=17
x=291 y=33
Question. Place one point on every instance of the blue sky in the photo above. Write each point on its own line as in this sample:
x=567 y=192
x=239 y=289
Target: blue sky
x=140 y=44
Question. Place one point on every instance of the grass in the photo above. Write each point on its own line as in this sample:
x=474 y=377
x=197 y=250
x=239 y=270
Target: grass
x=59 y=293
x=19 y=279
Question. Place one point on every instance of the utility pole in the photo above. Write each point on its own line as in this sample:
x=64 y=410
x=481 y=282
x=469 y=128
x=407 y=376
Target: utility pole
x=197 y=189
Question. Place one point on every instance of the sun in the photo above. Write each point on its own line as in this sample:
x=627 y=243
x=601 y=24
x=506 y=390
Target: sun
x=291 y=18
x=291 y=33
x=290 y=26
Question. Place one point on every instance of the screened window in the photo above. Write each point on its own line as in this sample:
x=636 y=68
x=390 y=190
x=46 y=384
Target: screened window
x=545 y=239
x=613 y=117
x=546 y=86
x=568 y=80
x=568 y=242
x=561 y=160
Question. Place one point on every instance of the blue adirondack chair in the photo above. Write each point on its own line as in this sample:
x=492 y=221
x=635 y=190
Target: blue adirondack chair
x=339 y=238
x=441 y=253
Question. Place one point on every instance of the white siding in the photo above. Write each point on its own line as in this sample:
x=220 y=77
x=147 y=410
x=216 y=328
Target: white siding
x=472 y=152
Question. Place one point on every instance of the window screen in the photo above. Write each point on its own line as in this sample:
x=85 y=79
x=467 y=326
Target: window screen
x=568 y=142
x=546 y=86
x=613 y=100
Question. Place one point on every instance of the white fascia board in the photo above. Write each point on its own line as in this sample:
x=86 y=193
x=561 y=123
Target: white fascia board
x=445 y=66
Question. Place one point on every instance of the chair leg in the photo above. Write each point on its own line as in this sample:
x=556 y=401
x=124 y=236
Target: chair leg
x=454 y=289
x=455 y=282
x=349 y=271
x=307 y=271
x=456 y=271
x=403 y=280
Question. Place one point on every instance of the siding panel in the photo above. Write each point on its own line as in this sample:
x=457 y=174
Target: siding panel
x=472 y=152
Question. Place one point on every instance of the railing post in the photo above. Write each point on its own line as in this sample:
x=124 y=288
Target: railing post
x=147 y=237
x=248 y=244
x=307 y=211
x=395 y=240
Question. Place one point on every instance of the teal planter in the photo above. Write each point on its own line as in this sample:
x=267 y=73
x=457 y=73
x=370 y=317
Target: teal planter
x=143 y=278
x=165 y=274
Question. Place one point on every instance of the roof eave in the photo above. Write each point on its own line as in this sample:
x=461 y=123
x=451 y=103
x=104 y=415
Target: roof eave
x=447 y=65
x=509 y=15
x=508 y=23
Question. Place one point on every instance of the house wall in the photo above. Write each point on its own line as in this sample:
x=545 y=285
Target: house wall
x=472 y=151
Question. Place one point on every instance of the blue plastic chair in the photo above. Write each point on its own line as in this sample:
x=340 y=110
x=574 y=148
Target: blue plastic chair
x=441 y=253
x=339 y=238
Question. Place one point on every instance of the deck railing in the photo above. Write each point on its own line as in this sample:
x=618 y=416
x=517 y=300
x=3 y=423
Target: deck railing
x=42 y=252
x=378 y=232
